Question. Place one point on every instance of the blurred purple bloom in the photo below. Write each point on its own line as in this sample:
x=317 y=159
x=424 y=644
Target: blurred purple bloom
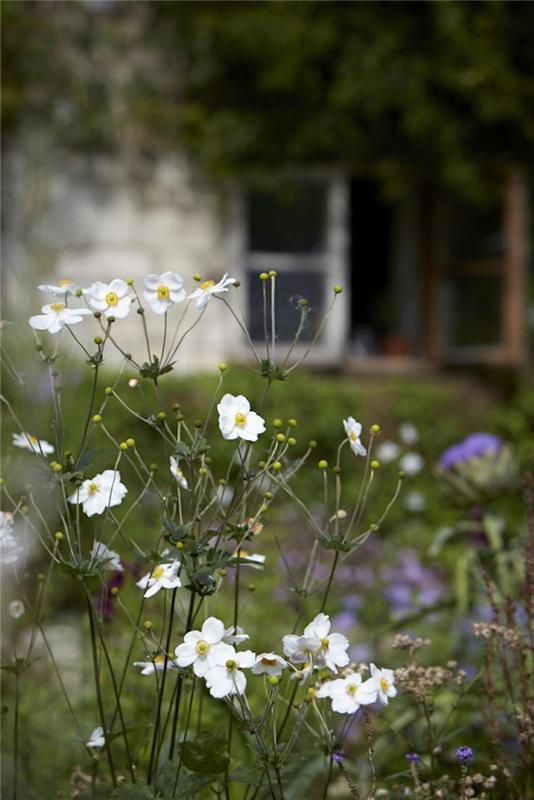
x=464 y=754
x=344 y=621
x=413 y=757
x=477 y=444
x=338 y=757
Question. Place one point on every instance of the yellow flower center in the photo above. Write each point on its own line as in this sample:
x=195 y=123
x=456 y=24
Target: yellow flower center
x=351 y=688
x=325 y=644
x=112 y=298
x=202 y=647
x=65 y=282
x=240 y=419
x=269 y=662
x=207 y=285
x=231 y=664
x=159 y=659
x=158 y=572
x=163 y=292
x=57 y=306
x=353 y=437
x=93 y=488
x=33 y=439
x=384 y=684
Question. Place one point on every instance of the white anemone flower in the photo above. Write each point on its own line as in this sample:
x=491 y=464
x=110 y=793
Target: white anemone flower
x=203 y=294
x=409 y=433
x=269 y=664
x=318 y=643
x=97 y=738
x=32 y=443
x=234 y=635
x=156 y=665
x=62 y=288
x=163 y=291
x=412 y=463
x=353 y=430
x=202 y=649
x=111 y=299
x=382 y=682
x=163 y=576
x=103 y=491
x=177 y=473
x=54 y=317
x=387 y=451
x=347 y=694
x=236 y=420
x=103 y=556
x=227 y=678
x=254 y=560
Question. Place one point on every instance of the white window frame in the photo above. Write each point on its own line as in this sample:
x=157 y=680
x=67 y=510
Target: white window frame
x=333 y=262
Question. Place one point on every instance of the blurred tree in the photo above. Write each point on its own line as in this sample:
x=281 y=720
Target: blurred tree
x=440 y=91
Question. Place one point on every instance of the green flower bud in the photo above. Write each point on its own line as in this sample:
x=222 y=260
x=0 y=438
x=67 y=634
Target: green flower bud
x=97 y=418
x=322 y=464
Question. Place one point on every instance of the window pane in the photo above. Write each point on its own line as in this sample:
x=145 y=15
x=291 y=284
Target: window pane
x=289 y=289
x=287 y=218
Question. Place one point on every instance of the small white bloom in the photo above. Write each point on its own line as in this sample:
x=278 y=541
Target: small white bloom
x=382 y=682
x=10 y=549
x=318 y=643
x=62 y=288
x=254 y=560
x=409 y=433
x=412 y=463
x=387 y=451
x=201 y=648
x=235 y=635
x=414 y=501
x=353 y=430
x=208 y=288
x=156 y=665
x=236 y=420
x=133 y=383
x=111 y=299
x=163 y=576
x=348 y=694
x=226 y=678
x=103 y=491
x=32 y=443
x=103 y=556
x=97 y=738
x=269 y=664
x=16 y=609
x=163 y=291
x=303 y=673
x=177 y=473
x=55 y=316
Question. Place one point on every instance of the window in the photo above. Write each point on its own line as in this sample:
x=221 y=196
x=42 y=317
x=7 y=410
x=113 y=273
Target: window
x=297 y=227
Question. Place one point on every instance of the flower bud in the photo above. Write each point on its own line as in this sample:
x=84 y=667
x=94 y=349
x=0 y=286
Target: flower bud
x=180 y=545
x=98 y=340
x=375 y=464
x=280 y=437
x=223 y=367
x=161 y=416
x=56 y=467
x=273 y=273
x=292 y=422
x=277 y=466
x=338 y=289
x=130 y=442
x=291 y=441
x=153 y=467
x=97 y=418
x=263 y=276
x=58 y=536
x=197 y=277
x=111 y=320
x=375 y=428
x=268 y=495
x=123 y=446
x=108 y=390
x=147 y=624
x=274 y=680
x=277 y=423
x=312 y=443
x=322 y=464
x=78 y=292
x=115 y=591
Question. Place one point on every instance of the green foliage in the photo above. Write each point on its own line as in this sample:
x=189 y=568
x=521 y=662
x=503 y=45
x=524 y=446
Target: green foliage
x=439 y=91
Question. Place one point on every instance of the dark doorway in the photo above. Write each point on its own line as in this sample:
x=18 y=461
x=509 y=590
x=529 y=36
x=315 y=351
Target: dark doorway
x=372 y=307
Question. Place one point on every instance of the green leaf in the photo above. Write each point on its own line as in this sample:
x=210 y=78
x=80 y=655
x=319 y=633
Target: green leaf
x=207 y=754
x=134 y=791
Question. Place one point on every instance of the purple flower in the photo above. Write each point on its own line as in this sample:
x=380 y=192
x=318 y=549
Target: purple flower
x=473 y=446
x=338 y=757
x=414 y=758
x=464 y=754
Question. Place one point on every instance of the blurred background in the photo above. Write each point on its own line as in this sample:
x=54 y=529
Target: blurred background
x=384 y=147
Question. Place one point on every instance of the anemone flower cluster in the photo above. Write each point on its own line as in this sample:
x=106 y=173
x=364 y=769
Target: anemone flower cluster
x=114 y=300
x=211 y=655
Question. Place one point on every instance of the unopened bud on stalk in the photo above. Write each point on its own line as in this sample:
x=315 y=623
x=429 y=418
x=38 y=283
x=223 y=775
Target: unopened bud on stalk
x=98 y=340
x=97 y=419
x=161 y=416
x=58 y=536
x=78 y=292
x=108 y=390
x=277 y=466
x=273 y=273
x=264 y=276
x=123 y=446
x=322 y=464
x=153 y=467
x=375 y=464
x=292 y=422
x=274 y=680
x=291 y=441
x=312 y=443
x=222 y=367
x=277 y=423
x=280 y=437
x=197 y=277
x=115 y=590
x=130 y=442
x=375 y=428
x=130 y=281
x=337 y=470
x=56 y=467
x=147 y=624
x=338 y=289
